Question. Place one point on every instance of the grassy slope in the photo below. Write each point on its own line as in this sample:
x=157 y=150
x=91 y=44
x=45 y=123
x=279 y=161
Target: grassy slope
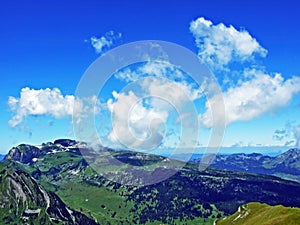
x=101 y=202
x=18 y=204
x=263 y=214
x=81 y=188
x=98 y=202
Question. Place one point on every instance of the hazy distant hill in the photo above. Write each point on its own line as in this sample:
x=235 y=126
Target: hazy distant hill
x=285 y=165
x=189 y=197
x=1 y=157
x=262 y=214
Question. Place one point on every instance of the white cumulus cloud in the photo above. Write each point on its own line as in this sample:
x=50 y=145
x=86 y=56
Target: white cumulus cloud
x=48 y=102
x=262 y=94
x=164 y=79
x=220 y=44
x=134 y=125
x=177 y=93
x=162 y=69
x=139 y=117
x=104 y=42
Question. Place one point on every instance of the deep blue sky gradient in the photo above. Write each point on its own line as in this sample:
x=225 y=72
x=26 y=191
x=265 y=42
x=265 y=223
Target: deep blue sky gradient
x=43 y=42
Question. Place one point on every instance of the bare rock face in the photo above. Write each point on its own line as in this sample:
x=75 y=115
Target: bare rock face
x=65 y=142
x=23 y=153
x=190 y=194
x=24 y=200
x=28 y=153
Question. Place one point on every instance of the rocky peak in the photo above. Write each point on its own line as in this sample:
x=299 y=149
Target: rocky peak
x=24 y=200
x=65 y=142
x=290 y=155
x=28 y=153
x=23 y=153
x=292 y=152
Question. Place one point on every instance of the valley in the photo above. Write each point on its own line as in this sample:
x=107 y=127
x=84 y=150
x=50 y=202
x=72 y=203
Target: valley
x=190 y=196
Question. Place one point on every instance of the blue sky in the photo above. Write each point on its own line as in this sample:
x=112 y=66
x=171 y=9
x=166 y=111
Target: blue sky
x=48 y=45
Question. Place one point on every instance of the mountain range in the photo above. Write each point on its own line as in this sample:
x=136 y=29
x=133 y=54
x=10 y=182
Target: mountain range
x=56 y=175
x=285 y=165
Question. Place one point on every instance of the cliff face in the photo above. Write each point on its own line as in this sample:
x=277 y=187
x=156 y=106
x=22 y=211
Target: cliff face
x=190 y=196
x=24 y=200
x=23 y=153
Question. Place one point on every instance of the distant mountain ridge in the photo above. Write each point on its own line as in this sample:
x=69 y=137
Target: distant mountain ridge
x=189 y=196
x=1 y=157
x=285 y=165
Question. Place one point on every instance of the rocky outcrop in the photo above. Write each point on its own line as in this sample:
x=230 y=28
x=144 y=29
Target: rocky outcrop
x=65 y=142
x=24 y=200
x=189 y=195
x=29 y=154
x=23 y=153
